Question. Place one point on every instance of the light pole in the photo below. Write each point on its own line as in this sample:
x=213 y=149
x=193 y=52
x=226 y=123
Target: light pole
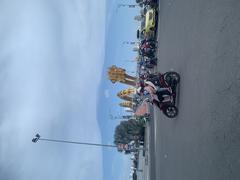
x=38 y=138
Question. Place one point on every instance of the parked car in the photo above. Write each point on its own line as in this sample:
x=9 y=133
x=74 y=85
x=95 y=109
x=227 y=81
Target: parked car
x=150 y=23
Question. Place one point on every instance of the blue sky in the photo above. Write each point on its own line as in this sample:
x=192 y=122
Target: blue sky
x=53 y=60
x=120 y=26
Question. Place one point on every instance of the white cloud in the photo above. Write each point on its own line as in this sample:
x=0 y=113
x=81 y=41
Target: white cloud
x=51 y=58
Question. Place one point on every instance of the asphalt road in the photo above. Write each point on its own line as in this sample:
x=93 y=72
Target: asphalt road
x=200 y=39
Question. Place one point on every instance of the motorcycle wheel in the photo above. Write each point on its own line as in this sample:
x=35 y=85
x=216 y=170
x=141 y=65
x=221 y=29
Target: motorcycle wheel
x=172 y=77
x=171 y=111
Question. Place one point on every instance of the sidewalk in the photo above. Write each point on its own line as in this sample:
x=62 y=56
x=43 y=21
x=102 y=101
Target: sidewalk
x=146 y=158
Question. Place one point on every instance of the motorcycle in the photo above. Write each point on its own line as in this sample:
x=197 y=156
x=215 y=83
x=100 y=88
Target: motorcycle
x=143 y=72
x=147 y=62
x=168 y=79
x=165 y=101
x=151 y=62
x=149 y=43
x=147 y=48
x=165 y=104
x=148 y=52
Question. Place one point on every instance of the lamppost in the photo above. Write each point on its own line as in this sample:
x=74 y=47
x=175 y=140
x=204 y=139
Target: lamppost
x=38 y=138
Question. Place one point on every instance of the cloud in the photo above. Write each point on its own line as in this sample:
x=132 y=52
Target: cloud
x=51 y=58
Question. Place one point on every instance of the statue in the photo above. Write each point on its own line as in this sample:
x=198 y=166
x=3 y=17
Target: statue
x=125 y=94
x=126 y=104
x=116 y=74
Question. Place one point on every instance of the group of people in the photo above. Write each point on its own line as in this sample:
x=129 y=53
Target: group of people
x=155 y=93
x=146 y=2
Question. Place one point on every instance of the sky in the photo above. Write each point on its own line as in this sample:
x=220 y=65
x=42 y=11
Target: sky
x=49 y=50
x=53 y=60
x=120 y=27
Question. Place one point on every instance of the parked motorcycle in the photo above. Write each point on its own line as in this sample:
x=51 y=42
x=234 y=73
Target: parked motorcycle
x=151 y=43
x=151 y=62
x=148 y=52
x=147 y=48
x=148 y=62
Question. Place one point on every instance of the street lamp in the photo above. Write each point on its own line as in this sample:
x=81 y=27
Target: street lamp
x=38 y=138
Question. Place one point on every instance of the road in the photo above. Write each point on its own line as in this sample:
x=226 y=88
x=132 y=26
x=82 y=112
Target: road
x=200 y=39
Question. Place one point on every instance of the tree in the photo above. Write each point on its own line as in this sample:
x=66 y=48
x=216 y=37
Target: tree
x=127 y=131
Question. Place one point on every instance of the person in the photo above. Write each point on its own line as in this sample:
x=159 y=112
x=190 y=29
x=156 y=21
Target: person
x=156 y=94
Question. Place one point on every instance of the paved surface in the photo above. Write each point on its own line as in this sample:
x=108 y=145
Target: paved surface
x=146 y=163
x=201 y=40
